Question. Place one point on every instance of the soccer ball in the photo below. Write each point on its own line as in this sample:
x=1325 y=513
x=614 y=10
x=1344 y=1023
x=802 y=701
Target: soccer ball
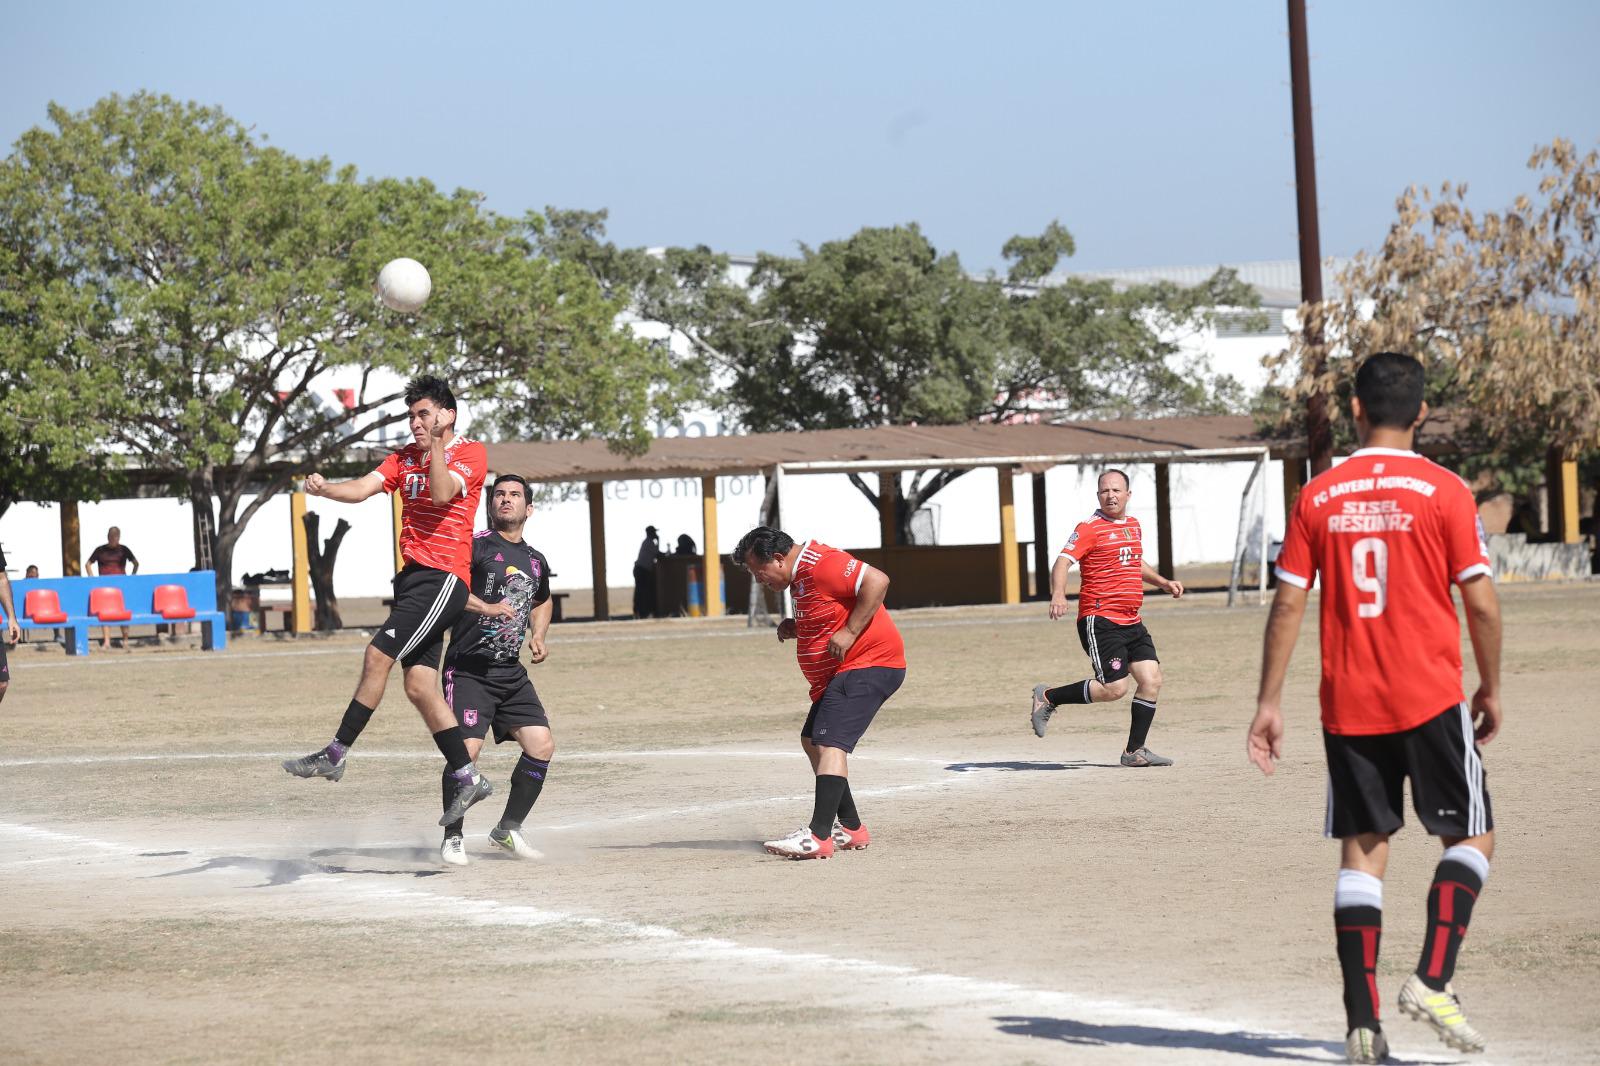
x=404 y=285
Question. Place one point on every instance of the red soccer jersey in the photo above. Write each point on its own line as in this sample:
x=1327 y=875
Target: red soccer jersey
x=826 y=581
x=430 y=535
x=1388 y=531
x=1110 y=554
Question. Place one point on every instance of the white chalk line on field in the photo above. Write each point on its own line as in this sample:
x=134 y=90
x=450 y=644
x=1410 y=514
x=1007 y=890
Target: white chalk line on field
x=556 y=642
x=358 y=755
x=930 y=989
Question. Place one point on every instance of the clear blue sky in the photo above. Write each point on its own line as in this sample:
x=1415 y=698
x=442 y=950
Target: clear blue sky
x=1159 y=133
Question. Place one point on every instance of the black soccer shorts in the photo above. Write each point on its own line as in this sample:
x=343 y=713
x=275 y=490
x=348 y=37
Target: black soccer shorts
x=501 y=697
x=427 y=603
x=848 y=705
x=1449 y=789
x=1112 y=648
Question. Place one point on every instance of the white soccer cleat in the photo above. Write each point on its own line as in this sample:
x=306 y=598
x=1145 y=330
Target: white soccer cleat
x=511 y=841
x=1442 y=1010
x=453 y=851
x=801 y=844
x=1366 y=1046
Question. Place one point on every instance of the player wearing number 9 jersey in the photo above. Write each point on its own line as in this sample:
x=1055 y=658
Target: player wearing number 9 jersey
x=1385 y=535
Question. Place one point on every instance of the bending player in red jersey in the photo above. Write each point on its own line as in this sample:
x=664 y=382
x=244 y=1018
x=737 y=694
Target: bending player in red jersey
x=851 y=655
x=1389 y=532
x=1109 y=548
x=439 y=478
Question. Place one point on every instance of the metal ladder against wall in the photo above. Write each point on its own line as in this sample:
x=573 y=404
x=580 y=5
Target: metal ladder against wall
x=202 y=542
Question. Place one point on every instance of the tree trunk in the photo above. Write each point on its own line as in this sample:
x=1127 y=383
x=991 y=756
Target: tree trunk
x=322 y=557
x=201 y=488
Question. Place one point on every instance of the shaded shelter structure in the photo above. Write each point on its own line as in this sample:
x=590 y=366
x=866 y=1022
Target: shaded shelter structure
x=888 y=450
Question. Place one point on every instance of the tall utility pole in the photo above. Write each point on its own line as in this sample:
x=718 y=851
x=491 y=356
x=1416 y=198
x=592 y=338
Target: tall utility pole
x=1319 y=436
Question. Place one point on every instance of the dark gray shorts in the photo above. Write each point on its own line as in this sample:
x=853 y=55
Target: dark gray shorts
x=848 y=705
x=504 y=699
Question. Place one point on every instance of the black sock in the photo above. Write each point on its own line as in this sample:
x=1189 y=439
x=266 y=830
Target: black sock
x=1077 y=692
x=1144 y=712
x=447 y=786
x=1456 y=886
x=356 y=717
x=1357 y=932
x=453 y=746
x=527 y=780
x=849 y=817
x=830 y=788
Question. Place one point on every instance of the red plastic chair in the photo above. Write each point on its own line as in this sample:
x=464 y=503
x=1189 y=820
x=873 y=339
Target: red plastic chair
x=171 y=601
x=106 y=604
x=43 y=607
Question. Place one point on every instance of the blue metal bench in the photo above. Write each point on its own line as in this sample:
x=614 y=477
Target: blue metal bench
x=138 y=593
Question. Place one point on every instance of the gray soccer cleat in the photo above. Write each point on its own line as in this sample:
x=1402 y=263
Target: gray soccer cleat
x=478 y=788
x=512 y=841
x=317 y=764
x=1144 y=757
x=1366 y=1045
x=453 y=851
x=1442 y=1010
x=1042 y=709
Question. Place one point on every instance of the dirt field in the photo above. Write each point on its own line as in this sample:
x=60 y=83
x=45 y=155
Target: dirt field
x=170 y=895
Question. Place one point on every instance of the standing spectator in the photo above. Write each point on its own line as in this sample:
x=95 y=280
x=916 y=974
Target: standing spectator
x=644 y=575
x=12 y=632
x=685 y=545
x=113 y=558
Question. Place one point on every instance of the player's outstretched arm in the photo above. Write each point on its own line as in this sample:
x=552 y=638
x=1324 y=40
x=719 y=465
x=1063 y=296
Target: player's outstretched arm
x=1153 y=576
x=353 y=491
x=1264 y=742
x=1058 y=587
x=1483 y=626
x=502 y=609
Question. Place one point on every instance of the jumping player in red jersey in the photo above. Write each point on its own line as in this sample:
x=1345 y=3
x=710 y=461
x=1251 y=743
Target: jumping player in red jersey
x=1389 y=532
x=1109 y=548
x=851 y=655
x=440 y=478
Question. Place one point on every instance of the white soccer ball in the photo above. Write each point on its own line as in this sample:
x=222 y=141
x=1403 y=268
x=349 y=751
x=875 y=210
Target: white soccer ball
x=404 y=285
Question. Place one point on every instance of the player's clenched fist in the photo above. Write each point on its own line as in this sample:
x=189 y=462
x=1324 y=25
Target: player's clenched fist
x=787 y=629
x=315 y=484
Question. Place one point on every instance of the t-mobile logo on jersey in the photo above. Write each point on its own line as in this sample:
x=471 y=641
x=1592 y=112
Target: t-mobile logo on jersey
x=416 y=485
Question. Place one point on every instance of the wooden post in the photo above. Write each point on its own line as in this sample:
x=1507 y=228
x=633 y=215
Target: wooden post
x=394 y=502
x=1010 y=578
x=300 y=612
x=1294 y=479
x=886 y=524
x=71 y=546
x=1164 y=521
x=597 y=550
x=1561 y=488
x=1041 y=540
x=713 y=575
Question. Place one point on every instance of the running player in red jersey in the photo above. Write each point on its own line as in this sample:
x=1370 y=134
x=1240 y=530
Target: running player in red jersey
x=1109 y=548
x=852 y=657
x=440 y=478
x=1389 y=532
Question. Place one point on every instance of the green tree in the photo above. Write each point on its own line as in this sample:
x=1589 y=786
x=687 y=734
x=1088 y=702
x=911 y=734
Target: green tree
x=216 y=281
x=881 y=329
